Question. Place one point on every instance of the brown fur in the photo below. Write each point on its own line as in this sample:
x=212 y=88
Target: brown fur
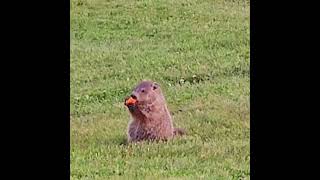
x=151 y=119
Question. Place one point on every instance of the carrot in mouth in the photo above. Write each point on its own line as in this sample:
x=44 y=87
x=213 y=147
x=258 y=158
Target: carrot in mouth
x=131 y=101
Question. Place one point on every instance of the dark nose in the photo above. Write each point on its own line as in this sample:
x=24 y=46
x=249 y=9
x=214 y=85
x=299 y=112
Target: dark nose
x=133 y=96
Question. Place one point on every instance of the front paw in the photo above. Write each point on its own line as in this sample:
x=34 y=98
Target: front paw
x=131 y=108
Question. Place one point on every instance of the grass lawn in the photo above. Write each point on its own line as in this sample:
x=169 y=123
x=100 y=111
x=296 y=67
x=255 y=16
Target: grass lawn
x=198 y=51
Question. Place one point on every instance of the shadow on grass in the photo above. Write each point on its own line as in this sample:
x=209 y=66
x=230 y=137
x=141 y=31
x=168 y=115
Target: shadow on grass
x=123 y=141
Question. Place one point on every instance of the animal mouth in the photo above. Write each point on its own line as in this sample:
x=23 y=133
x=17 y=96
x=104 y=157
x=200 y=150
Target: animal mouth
x=131 y=101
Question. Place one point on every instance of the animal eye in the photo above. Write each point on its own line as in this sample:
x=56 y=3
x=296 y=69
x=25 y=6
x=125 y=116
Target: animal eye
x=142 y=90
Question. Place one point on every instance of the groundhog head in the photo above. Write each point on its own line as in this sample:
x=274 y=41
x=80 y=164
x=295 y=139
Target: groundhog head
x=143 y=96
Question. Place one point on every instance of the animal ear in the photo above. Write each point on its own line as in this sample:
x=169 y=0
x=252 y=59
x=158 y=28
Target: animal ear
x=155 y=85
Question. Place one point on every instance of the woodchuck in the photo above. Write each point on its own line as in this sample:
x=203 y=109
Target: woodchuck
x=151 y=119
